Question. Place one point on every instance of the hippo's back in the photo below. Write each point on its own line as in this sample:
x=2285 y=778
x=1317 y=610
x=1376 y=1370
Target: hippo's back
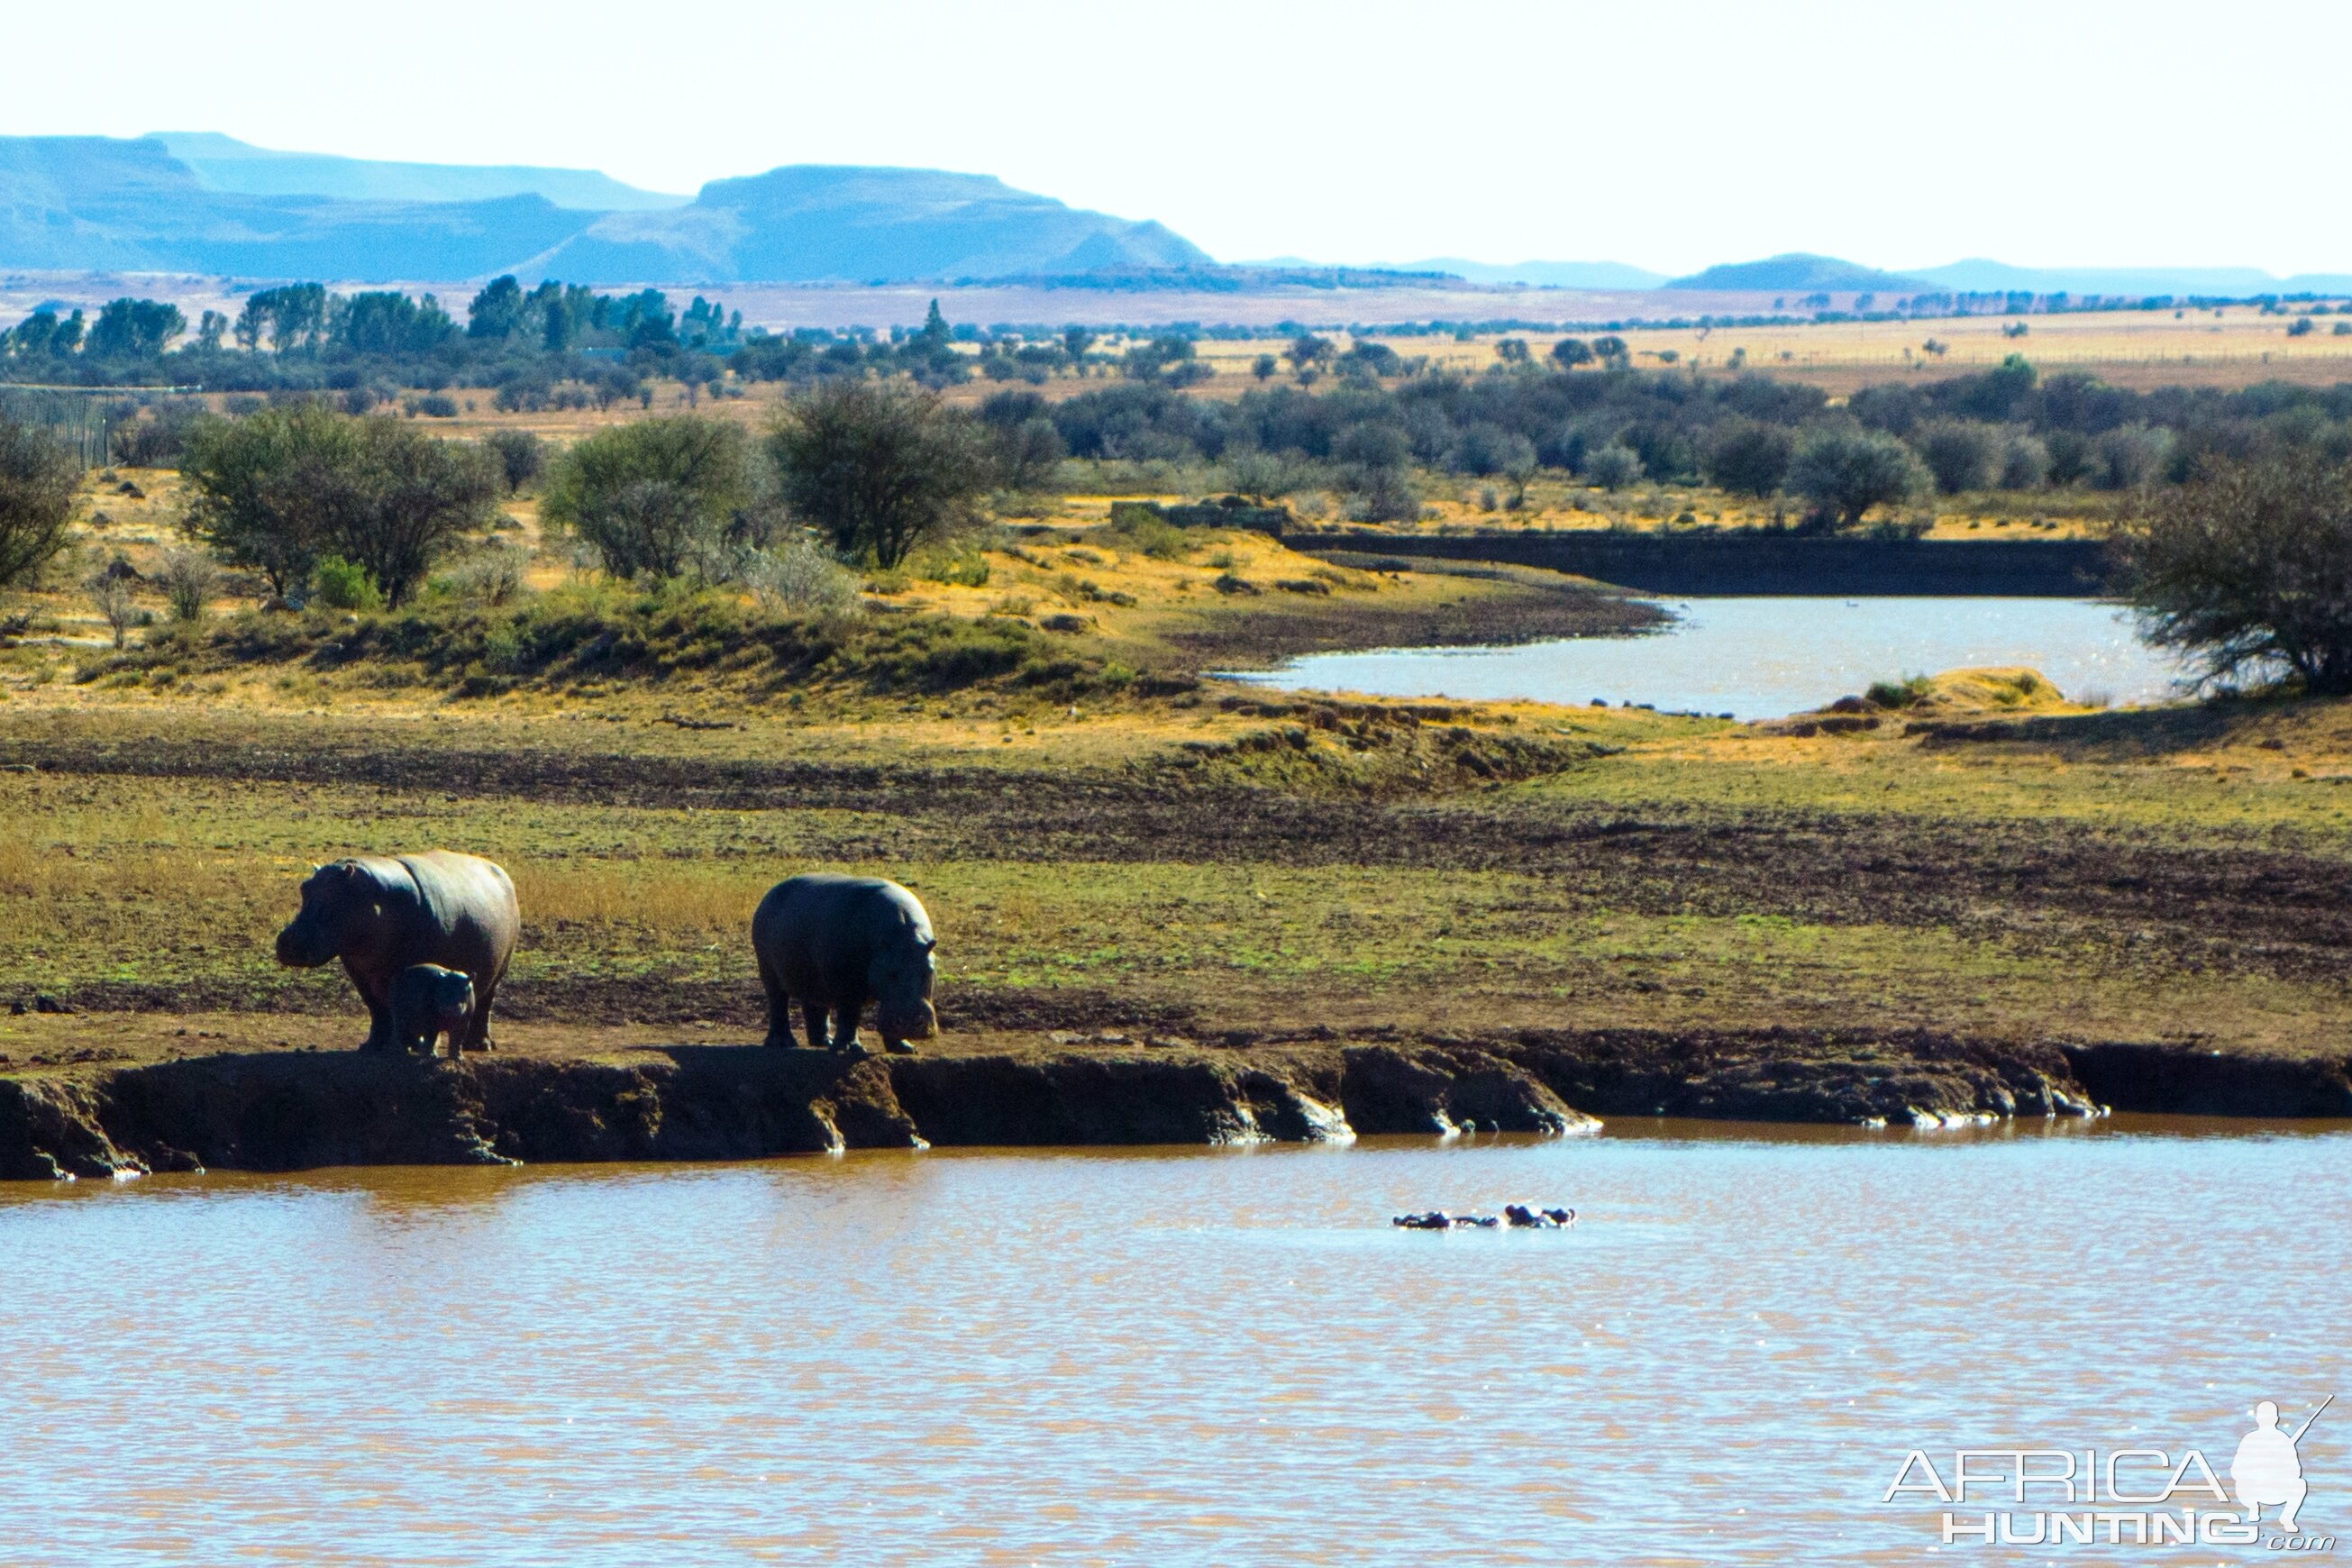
x=823 y=916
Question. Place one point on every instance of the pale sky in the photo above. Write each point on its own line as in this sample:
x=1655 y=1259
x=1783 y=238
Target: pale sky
x=2046 y=133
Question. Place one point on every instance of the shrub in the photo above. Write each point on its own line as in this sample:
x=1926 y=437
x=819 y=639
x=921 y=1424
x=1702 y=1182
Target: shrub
x=112 y=597
x=38 y=480
x=2129 y=456
x=1749 y=457
x=800 y=577
x=189 y=579
x=1906 y=693
x=342 y=585
x=879 y=468
x=1383 y=495
x=2024 y=464
x=1612 y=466
x=2249 y=568
x=1845 y=472
x=1961 y=454
x=1136 y=529
x=522 y=457
x=653 y=497
x=493 y=576
x=962 y=567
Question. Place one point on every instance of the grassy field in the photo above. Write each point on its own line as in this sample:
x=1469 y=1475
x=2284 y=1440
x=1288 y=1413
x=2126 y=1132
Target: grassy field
x=1108 y=841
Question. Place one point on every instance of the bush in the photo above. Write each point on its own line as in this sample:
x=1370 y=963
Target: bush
x=1961 y=454
x=1906 y=693
x=38 y=480
x=1749 y=457
x=961 y=567
x=1846 y=471
x=2126 y=458
x=434 y=405
x=1612 y=466
x=2247 y=567
x=493 y=576
x=189 y=579
x=522 y=457
x=342 y=585
x=155 y=439
x=800 y=577
x=879 y=468
x=653 y=497
x=1136 y=529
x=1383 y=495
x=2024 y=464
x=112 y=597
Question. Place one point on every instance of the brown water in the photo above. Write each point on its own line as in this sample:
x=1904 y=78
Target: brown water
x=1156 y=1357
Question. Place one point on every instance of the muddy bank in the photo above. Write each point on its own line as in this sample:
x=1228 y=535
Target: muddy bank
x=1761 y=562
x=280 y=1111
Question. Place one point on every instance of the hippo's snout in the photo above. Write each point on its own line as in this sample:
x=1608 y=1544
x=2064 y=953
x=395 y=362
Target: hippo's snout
x=921 y=1022
x=298 y=947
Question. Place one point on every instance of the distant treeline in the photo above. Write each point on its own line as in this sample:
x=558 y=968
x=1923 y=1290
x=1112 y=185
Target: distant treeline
x=2007 y=429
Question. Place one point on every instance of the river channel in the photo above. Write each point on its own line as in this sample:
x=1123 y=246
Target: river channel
x=1765 y=657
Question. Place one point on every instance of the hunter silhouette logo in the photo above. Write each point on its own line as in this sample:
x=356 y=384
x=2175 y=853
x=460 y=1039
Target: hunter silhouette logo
x=2267 y=1471
x=2123 y=1497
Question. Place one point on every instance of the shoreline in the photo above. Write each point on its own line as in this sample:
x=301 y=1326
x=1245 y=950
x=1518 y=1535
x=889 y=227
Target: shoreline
x=302 y=1109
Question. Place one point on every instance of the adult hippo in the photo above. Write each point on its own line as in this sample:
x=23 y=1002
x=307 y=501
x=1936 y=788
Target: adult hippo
x=429 y=1002
x=382 y=915
x=837 y=942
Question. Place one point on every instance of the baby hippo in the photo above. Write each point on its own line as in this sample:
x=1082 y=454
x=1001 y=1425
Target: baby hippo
x=427 y=1002
x=837 y=942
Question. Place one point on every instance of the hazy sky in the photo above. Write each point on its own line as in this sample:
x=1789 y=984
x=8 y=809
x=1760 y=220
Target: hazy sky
x=1670 y=135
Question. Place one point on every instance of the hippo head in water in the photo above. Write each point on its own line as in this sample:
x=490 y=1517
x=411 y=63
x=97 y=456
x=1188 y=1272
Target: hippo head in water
x=900 y=979
x=341 y=906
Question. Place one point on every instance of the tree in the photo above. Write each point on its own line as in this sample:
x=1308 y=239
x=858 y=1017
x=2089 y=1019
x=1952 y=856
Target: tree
x=879 y=468
x=269 y=489
x=1845 y=472
x=135 y=329
x=1569 y=352
x=1307 y=351
x=111 y=595
x=37 y=479
x=1962 y=454
x=522 y=457
x=2249 y=568
x=654 y=497
x=284 y=487
x=1749 y=457
x=1264 y=367
x=415 y=495
x=1612 y=466
x=1613 y=352
x=1512 y=351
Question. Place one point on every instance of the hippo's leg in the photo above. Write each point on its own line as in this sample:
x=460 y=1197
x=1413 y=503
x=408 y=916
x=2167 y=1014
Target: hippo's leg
x=844 y=1031
x=779 y=1008
x=814 y=1012
x=475 y=1035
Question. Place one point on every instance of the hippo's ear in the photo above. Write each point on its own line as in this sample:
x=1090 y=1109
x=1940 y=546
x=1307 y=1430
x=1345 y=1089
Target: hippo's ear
x=930 y=943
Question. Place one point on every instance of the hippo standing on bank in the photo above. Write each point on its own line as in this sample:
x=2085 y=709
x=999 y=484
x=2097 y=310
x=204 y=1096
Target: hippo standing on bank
x=381 y=916
x=837 y=942
x=429 y=1002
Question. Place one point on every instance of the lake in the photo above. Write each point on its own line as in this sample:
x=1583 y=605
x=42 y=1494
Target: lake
x=1765 y=657
x=1159 y=1356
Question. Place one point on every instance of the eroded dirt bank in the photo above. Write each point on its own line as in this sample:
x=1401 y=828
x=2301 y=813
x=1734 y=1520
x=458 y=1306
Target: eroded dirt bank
x=273 y=1110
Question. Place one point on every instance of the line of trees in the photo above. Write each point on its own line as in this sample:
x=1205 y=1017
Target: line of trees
x=2007 y=429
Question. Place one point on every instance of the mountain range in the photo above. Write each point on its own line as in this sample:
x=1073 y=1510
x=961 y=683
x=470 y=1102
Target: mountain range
x=198 y=202
x=216 y=205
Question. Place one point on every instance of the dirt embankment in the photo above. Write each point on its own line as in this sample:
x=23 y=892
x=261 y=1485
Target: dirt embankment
x=297 y=1109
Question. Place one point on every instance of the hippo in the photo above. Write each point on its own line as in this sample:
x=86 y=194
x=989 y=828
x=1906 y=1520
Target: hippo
x=836 y=942
x=383 y=915
x=427 y=1002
